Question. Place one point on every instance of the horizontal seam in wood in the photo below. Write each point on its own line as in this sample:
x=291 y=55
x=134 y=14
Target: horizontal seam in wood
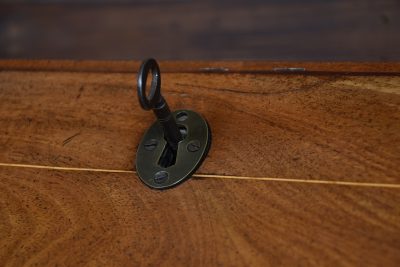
x=212 y=176
x=230 y=72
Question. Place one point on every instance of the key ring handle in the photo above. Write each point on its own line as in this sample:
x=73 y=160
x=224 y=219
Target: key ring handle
x=155 y=93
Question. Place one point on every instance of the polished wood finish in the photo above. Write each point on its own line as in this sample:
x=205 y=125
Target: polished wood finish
x=334 y=124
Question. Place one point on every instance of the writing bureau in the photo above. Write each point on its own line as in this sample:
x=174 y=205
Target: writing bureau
x=303 y=169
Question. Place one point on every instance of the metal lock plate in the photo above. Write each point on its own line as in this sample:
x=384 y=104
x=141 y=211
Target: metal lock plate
x=153 y=161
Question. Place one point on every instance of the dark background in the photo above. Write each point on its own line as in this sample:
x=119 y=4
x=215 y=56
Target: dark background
x=342 y=30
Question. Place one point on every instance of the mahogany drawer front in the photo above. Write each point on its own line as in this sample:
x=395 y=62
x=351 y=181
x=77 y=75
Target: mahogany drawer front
x=303 y=169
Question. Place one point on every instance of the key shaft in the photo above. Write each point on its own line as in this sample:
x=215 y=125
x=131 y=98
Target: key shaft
x=157 y=103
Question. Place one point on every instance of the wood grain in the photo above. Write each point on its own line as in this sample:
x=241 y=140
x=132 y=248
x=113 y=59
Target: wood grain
x=51 y=218
x=335 y=127
x=358 y=30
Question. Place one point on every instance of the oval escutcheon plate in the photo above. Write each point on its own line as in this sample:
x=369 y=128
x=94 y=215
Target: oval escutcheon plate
x=158 y=166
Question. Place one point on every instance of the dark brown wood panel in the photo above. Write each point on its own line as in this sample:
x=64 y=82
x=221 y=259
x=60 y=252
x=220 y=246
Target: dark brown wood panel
x=69 y=218
x=358 y=30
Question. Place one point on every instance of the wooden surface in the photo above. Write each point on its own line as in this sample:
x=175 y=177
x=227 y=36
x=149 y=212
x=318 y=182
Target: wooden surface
x=357 y=30
x=343 y=125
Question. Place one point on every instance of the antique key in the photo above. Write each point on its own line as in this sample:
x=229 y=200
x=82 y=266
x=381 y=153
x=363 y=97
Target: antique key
x=174 y=146
x=157 y=103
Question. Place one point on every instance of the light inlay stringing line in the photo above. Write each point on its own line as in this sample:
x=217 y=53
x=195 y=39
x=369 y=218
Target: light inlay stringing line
x=271 y=179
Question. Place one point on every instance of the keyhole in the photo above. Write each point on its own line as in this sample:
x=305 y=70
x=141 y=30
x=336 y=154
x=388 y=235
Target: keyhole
x=168 y=156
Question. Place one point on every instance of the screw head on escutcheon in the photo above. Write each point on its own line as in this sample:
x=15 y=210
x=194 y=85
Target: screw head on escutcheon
x=160 y=177
x=151 y=144
x=193 y=146
x=174 y=147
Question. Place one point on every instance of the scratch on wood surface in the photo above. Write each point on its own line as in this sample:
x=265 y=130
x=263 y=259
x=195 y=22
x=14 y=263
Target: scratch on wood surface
x=80 y=92
x=214 y=69
x=69 y=139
